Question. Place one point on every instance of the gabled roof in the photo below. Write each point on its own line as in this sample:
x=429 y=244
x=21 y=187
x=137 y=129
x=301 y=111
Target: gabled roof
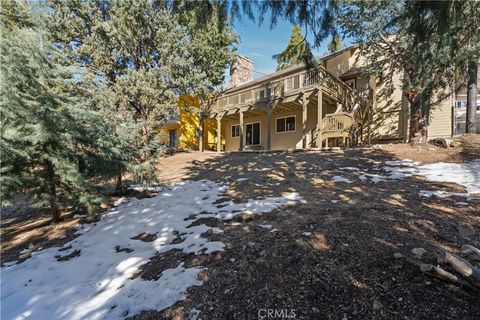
x=282 y=72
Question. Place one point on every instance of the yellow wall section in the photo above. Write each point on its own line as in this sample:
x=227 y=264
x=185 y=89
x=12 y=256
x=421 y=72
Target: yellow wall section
x=189 y=124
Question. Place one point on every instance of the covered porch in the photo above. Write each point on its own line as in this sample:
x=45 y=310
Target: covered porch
x=294 y=122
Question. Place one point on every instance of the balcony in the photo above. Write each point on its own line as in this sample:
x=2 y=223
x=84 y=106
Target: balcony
x=284 y=85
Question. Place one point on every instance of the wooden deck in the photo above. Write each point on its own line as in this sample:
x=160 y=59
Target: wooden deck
x=294 y=88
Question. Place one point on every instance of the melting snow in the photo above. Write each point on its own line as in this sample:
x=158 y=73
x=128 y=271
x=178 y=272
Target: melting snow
x=97 y=283
x=466 y=174
x=341 y=179
x=349 y=168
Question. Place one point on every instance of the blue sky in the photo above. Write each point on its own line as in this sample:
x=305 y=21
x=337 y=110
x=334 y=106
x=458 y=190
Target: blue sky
x=259 y=43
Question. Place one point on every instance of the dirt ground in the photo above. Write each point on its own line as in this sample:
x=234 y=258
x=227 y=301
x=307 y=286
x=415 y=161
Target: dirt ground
x=346 y=268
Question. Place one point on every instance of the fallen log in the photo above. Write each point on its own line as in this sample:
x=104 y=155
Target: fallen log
x=460 y=265
x=441 y=274
x=469 y=249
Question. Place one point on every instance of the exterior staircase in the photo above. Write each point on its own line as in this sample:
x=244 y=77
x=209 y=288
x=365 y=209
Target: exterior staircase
x=345 y=122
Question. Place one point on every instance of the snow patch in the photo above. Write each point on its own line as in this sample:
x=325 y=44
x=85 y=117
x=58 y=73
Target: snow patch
x=466 y=174
x=97 y=282
x=341 y=179
x=193 y=314
x=349 y=168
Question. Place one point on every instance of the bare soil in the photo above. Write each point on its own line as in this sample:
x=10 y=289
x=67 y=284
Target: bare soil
x=345 y=269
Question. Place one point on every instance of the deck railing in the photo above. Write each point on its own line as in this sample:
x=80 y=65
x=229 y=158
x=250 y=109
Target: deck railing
x=338 y=123
x=286 y=85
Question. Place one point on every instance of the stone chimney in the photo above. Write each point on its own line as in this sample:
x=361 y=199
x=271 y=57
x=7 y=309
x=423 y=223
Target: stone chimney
x=241 y=71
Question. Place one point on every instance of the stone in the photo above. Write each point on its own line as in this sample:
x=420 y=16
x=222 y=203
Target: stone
x=440 y=142
x=377 y=305
x=315 y=310
x=398 y=255
x=465 y=231
x=419 y=251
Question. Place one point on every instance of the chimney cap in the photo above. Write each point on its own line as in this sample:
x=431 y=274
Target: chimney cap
x=243 y=57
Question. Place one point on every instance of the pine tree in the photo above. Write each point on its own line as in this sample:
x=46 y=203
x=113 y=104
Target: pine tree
x=47 y=125
x=335 y=44
x=213 y=49
x=297 y=51
x=147 y=57
x=455 y=27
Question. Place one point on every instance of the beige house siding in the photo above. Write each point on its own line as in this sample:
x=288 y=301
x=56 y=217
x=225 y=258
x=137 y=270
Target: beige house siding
x=339 y=64
x=441 y=120
x=389 y=114
x=356 y=60
x=280 y=140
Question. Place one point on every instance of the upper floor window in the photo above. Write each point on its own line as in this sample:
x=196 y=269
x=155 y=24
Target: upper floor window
x=296 y=82
x=286 y=124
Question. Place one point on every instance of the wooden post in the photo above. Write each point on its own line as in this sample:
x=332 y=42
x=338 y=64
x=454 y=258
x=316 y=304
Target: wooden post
x=369 y=132
x=304 y=121
x=373 y=85
x=240 y=138
x=219 y=134
x=319 y=117
x=269 y=128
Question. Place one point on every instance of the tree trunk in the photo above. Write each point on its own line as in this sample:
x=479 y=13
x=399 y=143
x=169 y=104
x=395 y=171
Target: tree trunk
x=118 y=186
x=471 y=97
x=52 y=191
x=419 y=116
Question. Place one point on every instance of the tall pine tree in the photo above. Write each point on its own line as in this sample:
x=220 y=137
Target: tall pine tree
x=147 y=56
x=297 y=51
x=48 y=128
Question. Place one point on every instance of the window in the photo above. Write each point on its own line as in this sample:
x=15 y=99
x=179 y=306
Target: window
x=262 y=95
x=286 y=124
x=296 y=82
x=236 y=131
x=289 y=84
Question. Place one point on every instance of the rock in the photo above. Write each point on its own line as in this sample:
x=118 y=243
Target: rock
x=466 y=231
x=251 y=244
x=419 y=251
x=315 y=310
x=377 y=305
x=398 y=255
x=400 y=299
x=440 y=142
x=232 y=260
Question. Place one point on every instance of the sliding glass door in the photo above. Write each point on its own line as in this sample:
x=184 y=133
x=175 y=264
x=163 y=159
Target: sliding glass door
x=253 y=134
